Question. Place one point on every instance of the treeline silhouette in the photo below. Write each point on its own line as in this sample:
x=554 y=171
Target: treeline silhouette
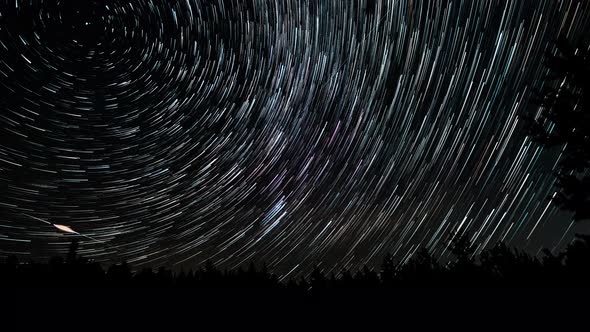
x=499 y=266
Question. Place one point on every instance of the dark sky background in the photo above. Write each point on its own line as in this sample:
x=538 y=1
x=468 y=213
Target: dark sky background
x=290 y=132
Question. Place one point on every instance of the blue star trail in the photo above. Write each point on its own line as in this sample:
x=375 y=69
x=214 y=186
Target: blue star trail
x=290 y=132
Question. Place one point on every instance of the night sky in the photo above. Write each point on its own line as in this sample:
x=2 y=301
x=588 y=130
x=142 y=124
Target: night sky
x=288 y=132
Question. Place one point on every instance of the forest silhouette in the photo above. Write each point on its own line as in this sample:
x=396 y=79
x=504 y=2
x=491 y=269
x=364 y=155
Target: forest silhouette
x=498 y=267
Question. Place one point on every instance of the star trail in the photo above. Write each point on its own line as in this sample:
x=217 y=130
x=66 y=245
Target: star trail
x=291 y=132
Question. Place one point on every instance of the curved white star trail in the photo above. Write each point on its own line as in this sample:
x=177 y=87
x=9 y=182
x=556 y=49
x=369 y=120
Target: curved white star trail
x=290 y=132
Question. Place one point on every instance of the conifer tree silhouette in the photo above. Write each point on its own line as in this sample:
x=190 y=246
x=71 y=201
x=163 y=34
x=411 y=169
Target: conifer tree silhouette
x=562 y=119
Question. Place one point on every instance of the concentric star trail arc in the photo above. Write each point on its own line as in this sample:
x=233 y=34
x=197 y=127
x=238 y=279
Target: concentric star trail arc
x=287 y=132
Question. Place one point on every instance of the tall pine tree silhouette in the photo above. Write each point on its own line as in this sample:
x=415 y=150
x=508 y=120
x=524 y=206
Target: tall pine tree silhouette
x=562 y=119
